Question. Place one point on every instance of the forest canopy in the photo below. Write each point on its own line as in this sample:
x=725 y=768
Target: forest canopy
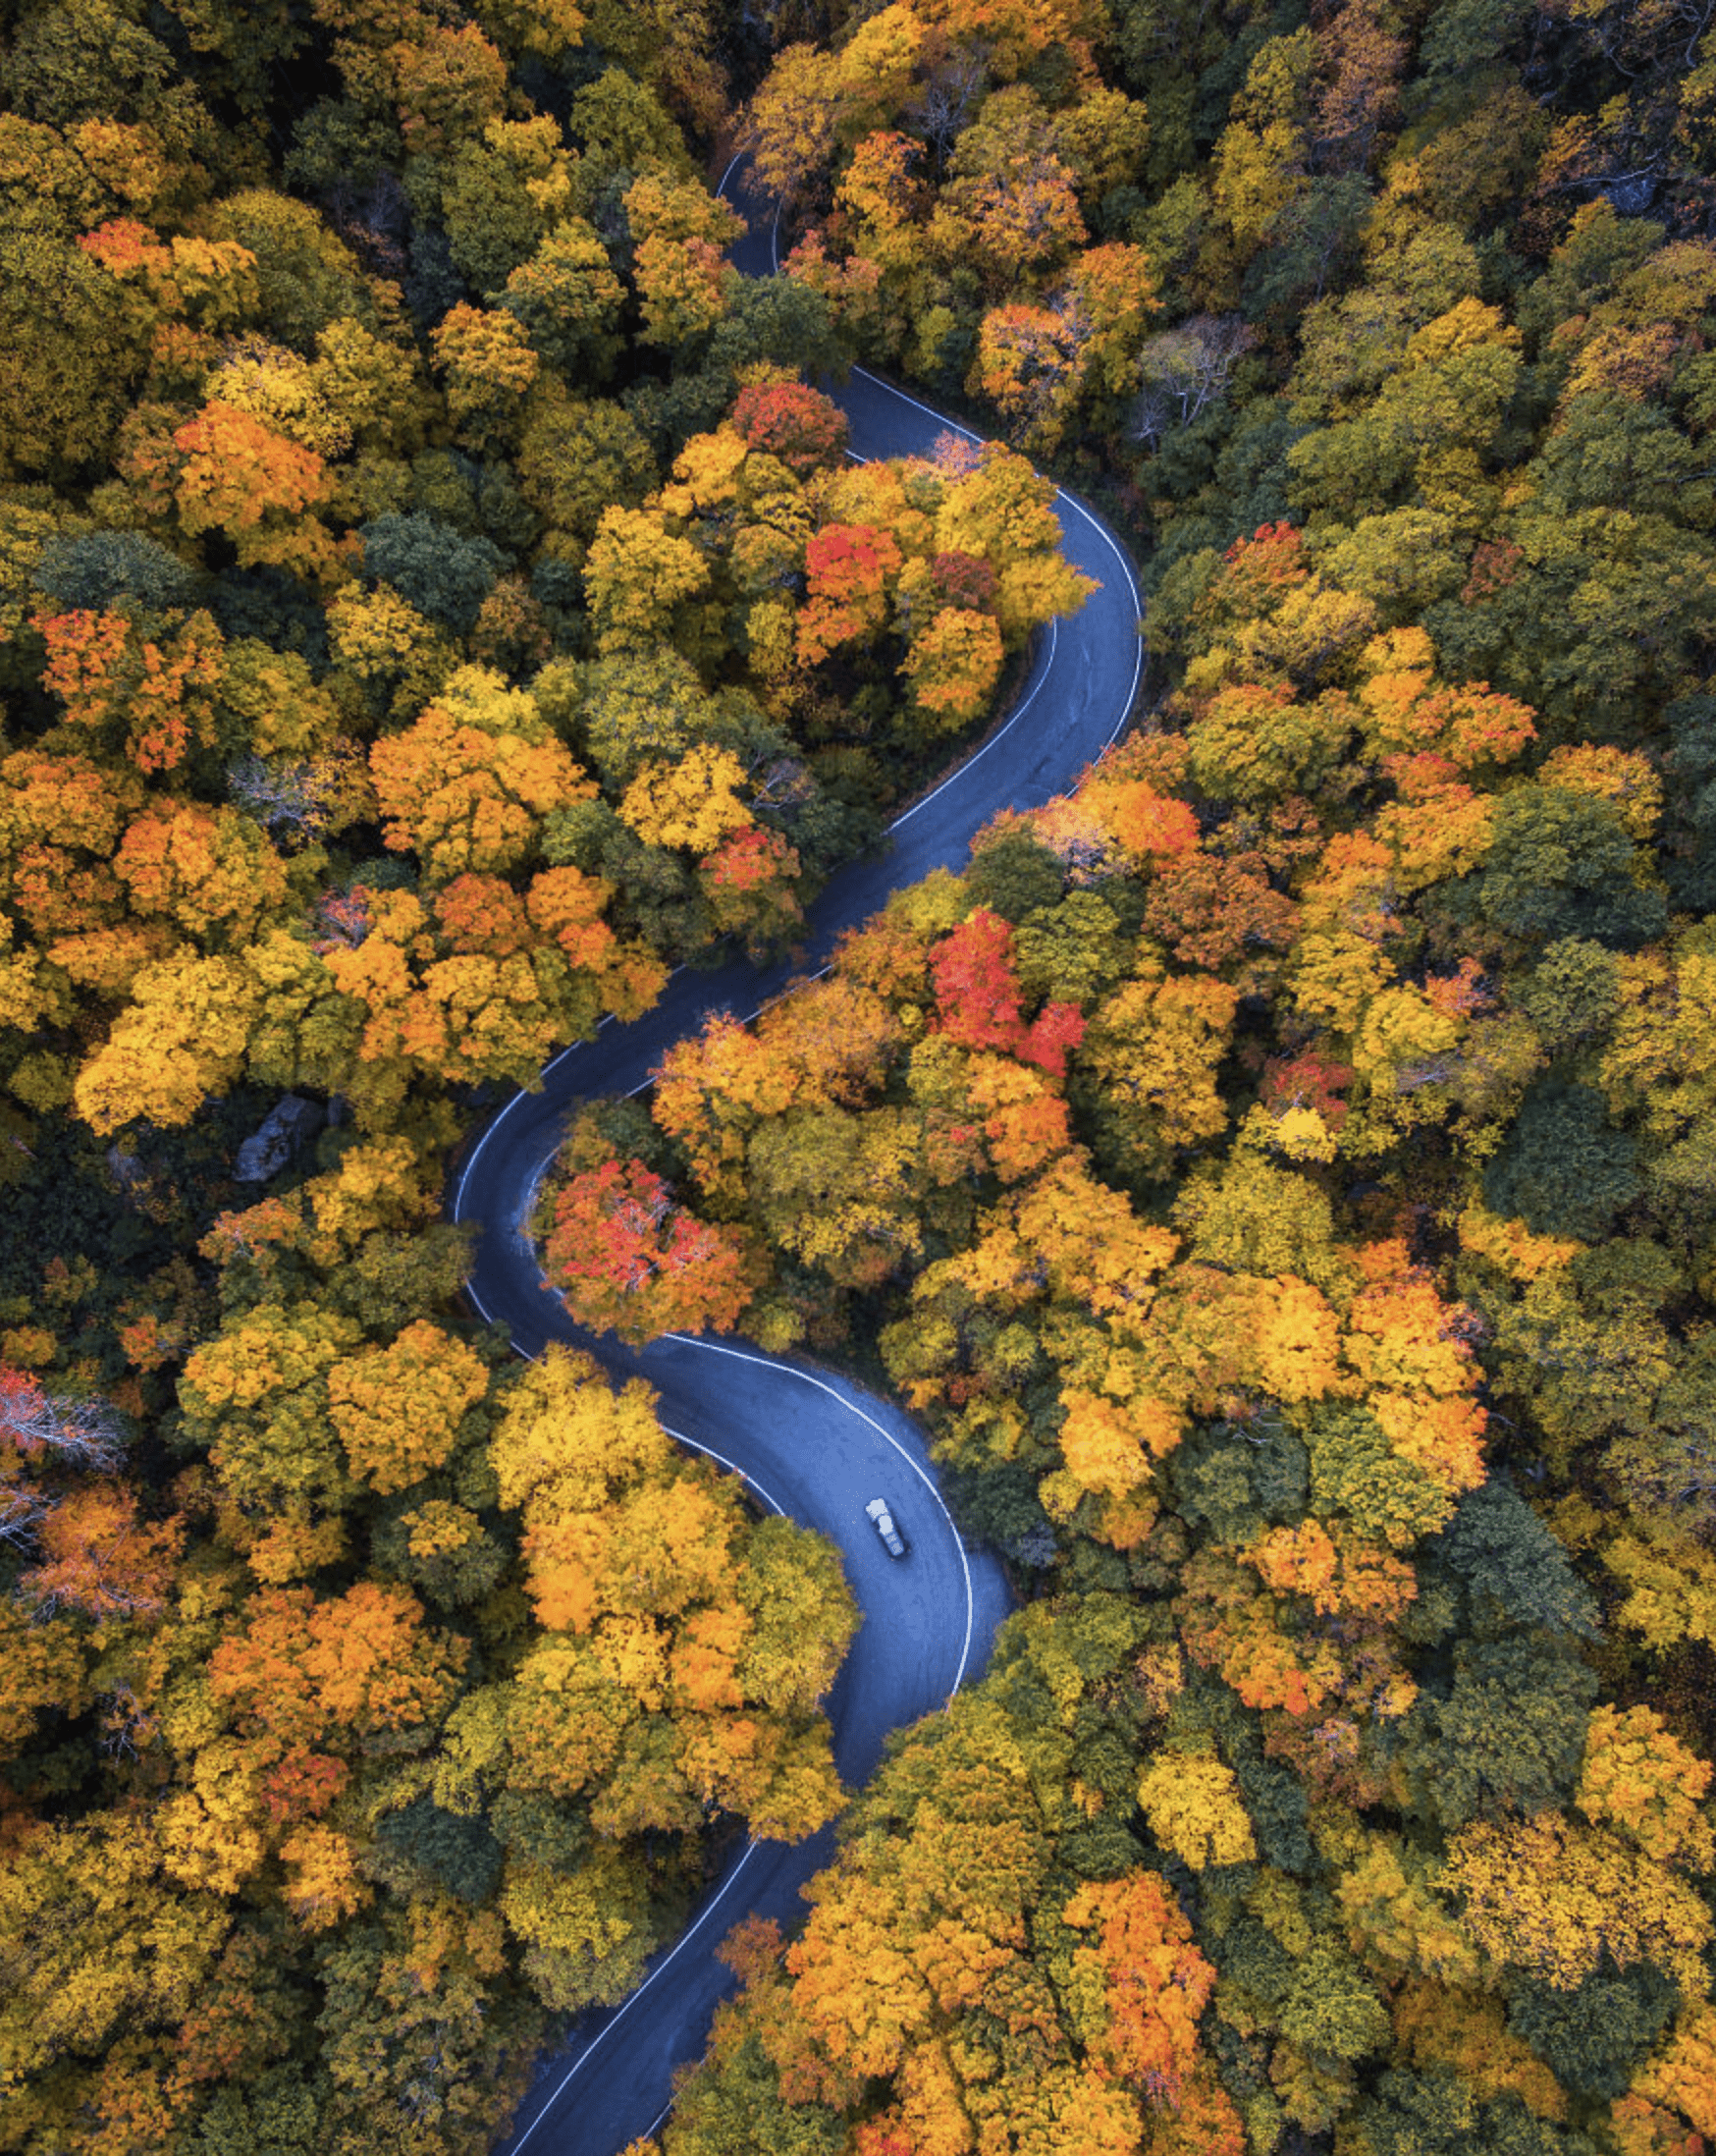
x=436 y=602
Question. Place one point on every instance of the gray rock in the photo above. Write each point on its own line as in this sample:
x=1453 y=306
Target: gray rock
x=275 y=1140
x=126 y=1169
x=1632 y=195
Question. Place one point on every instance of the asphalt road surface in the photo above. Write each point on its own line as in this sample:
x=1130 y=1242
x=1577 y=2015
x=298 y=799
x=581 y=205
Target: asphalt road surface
x=809 y=1444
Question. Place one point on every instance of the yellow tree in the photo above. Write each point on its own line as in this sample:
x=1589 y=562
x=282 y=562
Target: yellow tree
x=638 y=577
x=1002 y=511
x=692 y=801
x=685 y=289
x=1555 y=1898
x=1155 y=1982
x=181 y=1037
x=256 y=487
x=1644 y=1782
x=209 y=871
x=954 y=666
x=398 y=1409
x=1194 y=1808
x=466 y=785
x=790 y=128
x=485 y=365
x=686 y=1651
x=1030 y=364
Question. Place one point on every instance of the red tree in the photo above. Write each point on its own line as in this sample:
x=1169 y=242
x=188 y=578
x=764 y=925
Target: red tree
x=979 y=997
x=976 y=988
x=793 y=423
x=629 y=1260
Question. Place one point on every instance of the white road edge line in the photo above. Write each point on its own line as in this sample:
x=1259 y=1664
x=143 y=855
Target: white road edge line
x=1000 y=733
x=947 y=427
x=661 y=1969
x=1119 y=553
x=765 y=1362
x=732 y=1467
x=710 y=1908
x=762 y=1362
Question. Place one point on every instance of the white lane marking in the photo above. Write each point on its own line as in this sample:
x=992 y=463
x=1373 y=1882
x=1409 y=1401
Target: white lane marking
x=947 y=427
x=1119 y=553
x=477 y=1149
x=720 y=185
x=953 y=776
x=798 y=980
x=695 y=1444
x=661 y=1969
x=764 y=1361
x=732 y=1467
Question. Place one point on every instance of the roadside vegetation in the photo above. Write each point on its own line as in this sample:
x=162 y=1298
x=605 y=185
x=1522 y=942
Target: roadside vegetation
x=434 y=602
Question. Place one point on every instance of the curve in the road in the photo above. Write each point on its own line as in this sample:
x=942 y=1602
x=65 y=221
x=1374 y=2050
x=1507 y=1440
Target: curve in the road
x=807 y=1443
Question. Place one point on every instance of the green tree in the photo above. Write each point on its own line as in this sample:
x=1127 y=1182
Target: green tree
x=1565 y=1169
x=1560 y=864
x=1509 y=1735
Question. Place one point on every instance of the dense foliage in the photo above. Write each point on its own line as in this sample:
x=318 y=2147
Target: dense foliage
x=1254 y=1260
x=392 y=483
x=434 y=602
x=1281 y=1172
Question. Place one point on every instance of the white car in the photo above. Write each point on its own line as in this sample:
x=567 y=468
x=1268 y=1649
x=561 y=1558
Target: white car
x=893 y=1540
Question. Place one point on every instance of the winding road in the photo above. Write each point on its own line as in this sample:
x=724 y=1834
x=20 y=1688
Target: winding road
x=808 y=1444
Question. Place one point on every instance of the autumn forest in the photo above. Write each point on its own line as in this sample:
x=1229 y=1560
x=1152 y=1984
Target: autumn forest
x=436 y=606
